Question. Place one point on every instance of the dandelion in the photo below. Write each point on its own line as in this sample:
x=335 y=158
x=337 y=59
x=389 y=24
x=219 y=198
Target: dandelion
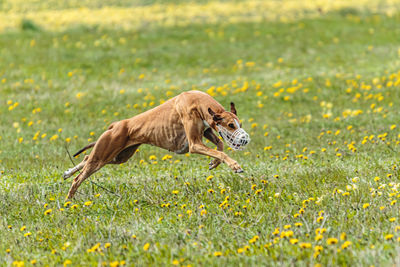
x=218 y=254
x=146 y=247
x=47 y=211
x=293 y=241
x=346 y=244
x=331 y=241
x=305 y=245
x=389 y=237
x=254 y=239
x=318 y=248
x=343 y=236
x=318 y=237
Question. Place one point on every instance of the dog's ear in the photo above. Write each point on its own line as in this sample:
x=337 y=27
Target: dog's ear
x=233 y=109
x=216 y=117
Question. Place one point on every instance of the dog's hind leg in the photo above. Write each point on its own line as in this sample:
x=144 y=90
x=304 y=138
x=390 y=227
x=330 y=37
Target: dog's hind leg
x=89 y=169
x=216 y=141
x=68 y=173
x=109 y=145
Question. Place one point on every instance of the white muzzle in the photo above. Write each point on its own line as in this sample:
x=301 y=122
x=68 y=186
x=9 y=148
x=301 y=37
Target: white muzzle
x=237 y=140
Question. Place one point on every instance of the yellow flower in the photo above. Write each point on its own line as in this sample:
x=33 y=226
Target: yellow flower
x=366 y=205
x=318 y=248
x=346 y=244
x=343 y=236
x=305 y=245
x=27 y=234
x=389 y=237
x=107 y=245
x=217 y=253
x=67 y=262
x=254 y=239
x=48 y=211
x=331 y=241
x=318 y=237
x=114 y=264
x=294 y=241
x=146 y=247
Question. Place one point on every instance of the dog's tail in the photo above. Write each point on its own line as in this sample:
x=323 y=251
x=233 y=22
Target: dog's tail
x=83 y=149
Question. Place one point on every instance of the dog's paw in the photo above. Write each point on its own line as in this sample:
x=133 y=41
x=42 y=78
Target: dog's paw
x=239 y=170
x=236 y=167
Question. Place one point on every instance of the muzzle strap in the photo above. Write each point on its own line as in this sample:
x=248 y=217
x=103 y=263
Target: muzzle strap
x=237 y=140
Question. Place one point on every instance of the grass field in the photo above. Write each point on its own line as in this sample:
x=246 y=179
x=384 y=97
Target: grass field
x=315 y=83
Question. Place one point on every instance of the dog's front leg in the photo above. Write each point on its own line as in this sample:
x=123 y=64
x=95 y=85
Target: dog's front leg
x=201 y=148
x=194 y=135
x=216 y=141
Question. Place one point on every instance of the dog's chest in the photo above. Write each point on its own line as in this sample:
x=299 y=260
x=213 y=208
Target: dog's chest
x=183 y=148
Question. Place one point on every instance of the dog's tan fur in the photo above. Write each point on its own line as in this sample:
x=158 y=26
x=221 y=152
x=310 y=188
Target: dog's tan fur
x=177 y=125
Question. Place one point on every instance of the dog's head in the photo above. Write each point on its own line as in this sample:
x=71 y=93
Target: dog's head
x=227 y=124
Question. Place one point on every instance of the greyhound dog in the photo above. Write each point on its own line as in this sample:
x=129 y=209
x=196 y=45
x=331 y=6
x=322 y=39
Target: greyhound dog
x=177 y=125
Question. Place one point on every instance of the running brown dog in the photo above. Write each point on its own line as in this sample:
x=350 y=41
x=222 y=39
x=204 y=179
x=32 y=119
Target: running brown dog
x=177 y=125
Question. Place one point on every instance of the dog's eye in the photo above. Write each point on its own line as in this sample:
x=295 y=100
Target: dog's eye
x=231 y=125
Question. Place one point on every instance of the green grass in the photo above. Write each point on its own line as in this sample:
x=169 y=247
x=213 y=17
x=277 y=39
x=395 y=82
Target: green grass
x=346 y=62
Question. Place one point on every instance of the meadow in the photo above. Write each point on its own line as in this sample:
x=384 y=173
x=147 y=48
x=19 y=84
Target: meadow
x=315 y=83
